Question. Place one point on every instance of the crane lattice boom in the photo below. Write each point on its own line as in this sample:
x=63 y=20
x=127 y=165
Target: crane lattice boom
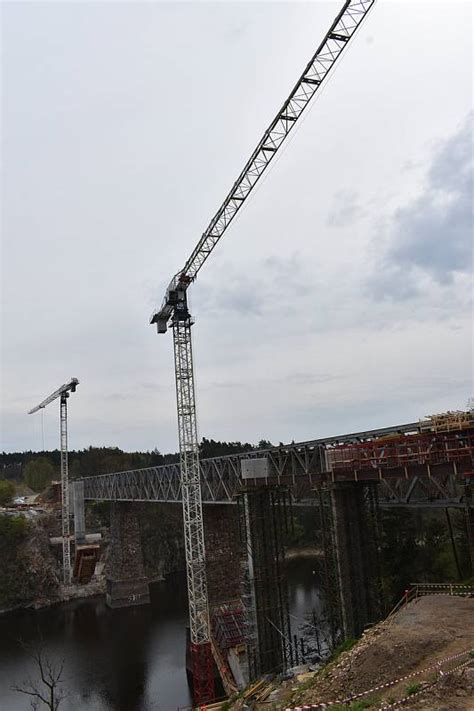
x=316 y=71
x=70 y=386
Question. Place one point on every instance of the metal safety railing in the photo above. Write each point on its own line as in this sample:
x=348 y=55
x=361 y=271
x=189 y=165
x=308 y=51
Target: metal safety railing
x=417 y=590
x=421 y=589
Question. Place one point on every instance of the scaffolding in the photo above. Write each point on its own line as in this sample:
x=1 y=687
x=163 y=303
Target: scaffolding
x=351 y=569
x=228 y=625
x=401 y=451
x=264 y=522
x=448 y=421
x=328 y=569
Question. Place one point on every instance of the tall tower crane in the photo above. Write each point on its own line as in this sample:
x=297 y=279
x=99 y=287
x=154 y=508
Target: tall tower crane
x=174 y=312
x=63 y=393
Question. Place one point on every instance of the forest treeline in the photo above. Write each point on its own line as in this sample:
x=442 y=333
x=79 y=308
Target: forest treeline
x=103 y=460
x=418 y=545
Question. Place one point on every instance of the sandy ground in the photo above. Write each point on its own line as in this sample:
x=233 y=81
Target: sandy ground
x=425 y=631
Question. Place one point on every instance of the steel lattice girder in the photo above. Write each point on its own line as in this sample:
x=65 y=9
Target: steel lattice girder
x=299 y=467
x=220 y=476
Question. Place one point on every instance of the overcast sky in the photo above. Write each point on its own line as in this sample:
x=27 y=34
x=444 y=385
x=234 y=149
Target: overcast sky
x=340 y=297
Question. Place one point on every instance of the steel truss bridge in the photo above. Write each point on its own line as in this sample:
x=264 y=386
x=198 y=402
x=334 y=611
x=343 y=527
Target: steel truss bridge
x=412 y=468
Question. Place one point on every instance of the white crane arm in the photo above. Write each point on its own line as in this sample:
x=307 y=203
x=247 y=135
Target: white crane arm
x=313 y=76
x=71 y=386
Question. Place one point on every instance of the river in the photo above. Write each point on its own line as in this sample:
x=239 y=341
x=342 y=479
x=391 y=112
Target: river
x=121 y=660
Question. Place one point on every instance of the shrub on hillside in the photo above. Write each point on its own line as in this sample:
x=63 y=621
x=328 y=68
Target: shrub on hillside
x=7 y=489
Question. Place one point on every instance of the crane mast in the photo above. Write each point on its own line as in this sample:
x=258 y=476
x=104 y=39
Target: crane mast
x=63 y=393
x=174 y=312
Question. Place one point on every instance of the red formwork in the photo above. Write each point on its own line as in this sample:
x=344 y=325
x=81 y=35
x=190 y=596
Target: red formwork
x=228 y=625
x=402 y=450
x=203 y=673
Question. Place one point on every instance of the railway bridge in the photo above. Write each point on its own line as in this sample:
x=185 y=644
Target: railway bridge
x=246 y=501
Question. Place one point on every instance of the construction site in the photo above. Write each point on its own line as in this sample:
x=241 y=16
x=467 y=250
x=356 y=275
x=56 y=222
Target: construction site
x=248 y=506
x=238 y=514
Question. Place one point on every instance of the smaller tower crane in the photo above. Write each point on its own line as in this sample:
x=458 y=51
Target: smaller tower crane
x=63 y=393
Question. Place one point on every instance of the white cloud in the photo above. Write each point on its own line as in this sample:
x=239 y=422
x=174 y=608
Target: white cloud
x=124 y=125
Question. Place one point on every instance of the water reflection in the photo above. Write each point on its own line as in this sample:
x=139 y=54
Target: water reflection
x=115 y=660
x=123 y=660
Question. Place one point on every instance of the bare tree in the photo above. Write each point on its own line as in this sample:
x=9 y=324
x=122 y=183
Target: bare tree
x=46 y=692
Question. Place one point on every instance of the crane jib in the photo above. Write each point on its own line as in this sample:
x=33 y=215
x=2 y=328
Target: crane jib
x=62 y=391
x=313 y=76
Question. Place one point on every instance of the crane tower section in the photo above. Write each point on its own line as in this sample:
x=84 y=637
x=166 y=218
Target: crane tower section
x=174 y=312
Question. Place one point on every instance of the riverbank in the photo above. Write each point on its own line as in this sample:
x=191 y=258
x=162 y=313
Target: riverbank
x=95 y=588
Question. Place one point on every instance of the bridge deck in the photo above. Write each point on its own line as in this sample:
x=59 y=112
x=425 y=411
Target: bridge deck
x=411 y=467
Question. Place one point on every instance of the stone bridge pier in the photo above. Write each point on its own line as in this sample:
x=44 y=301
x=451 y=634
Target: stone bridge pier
x=223 y=551
x=245 y=564
x=127 y=584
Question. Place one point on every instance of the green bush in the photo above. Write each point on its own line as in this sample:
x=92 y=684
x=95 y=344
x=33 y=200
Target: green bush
x=13 y=531
x=343 y=647
x=413 y=689
x=359 y=705
x=7 y=489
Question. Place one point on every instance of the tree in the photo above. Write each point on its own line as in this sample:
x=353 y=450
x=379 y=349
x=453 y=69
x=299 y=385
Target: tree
x=7 y=489
x=74 y=469
x=47 y=691
x=38 y=473
x=13 y=533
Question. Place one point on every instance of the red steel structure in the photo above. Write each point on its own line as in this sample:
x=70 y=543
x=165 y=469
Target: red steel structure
x=401 y=451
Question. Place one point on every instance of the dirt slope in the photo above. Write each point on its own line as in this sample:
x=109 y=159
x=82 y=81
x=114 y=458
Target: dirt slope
x=424 y=632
